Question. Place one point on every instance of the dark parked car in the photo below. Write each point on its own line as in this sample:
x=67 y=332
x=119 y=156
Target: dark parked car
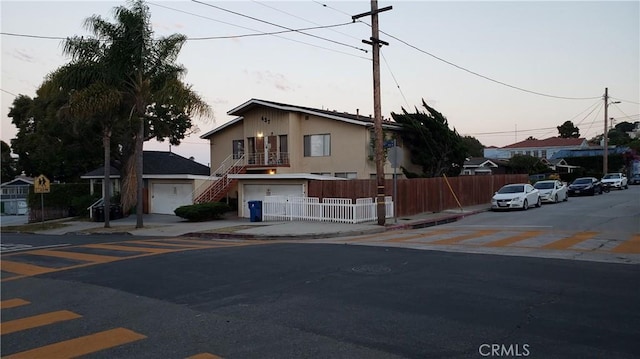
x=585 y=186
x=635 y=179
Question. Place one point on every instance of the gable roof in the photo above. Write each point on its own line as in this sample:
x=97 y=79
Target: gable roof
x=160 y=163
x=355 y=119
x=479 y=161
x=19 y=181
x=548 y=142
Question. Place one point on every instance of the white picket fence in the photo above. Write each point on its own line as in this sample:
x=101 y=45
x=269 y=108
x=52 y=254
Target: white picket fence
x=278 y=208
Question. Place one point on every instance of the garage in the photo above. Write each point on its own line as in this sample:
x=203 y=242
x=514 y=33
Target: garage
x=166 y=197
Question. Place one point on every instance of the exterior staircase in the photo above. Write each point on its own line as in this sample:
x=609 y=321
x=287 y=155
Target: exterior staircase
x=222 y=183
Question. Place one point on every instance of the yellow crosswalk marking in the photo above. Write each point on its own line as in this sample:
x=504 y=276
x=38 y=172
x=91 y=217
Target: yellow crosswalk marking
x=185 y=246
x=513 y=239
x=629 y=246
x=23 y=268
x=115 y=247
x=570 y=241
x=204 y=356
x=421 y=235
x=74 y=255
x=35 y=321
x=12 y=303
x=81 y=346
x=476 y=234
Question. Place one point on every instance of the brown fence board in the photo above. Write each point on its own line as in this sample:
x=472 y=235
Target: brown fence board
x=419 y=195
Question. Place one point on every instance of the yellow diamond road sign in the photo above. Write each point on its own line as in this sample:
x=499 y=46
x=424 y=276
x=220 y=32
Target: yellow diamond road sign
x=42 y=184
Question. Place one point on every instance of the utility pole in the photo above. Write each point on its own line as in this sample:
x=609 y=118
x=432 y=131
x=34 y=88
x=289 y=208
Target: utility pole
x=605 y=155
x=377 y=107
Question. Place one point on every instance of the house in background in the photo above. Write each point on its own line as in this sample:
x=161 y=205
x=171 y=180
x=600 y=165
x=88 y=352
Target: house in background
x=170 y=181
x=483 y=166
x=14 y=195
x=273 y=148
x=537 y=148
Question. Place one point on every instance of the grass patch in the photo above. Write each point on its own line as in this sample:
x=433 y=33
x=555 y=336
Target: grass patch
x=34 y=227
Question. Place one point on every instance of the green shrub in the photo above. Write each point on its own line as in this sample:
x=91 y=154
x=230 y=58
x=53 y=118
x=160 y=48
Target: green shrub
x=202 y=212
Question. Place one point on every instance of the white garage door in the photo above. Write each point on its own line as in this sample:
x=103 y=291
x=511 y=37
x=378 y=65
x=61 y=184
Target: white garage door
x=165 y=197
x=257 y=192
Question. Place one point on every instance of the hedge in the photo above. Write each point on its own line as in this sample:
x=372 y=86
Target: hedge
x=72 y=196
x=202 y=211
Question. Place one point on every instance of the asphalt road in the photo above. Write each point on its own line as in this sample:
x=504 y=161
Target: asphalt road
x=310 y=300
x=615 y=212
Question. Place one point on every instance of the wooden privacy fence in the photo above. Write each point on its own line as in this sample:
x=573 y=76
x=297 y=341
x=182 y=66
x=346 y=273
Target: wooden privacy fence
x=419 y=195
x=328 y=210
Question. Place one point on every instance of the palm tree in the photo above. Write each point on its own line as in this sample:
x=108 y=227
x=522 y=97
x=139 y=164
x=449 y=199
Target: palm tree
x=144 y=73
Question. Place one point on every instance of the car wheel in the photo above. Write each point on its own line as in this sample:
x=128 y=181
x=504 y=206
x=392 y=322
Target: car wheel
x=555 y=198
x=626 y=186
x=525 y=205
x=539 y=204
x=566 y=197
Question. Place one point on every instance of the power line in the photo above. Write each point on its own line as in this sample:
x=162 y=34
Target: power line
x=280 y=26
x=470 y=71
x=197 y=38
x=619 y=99
x=304 y=19
x=394 y=79
x=594 y=119
x=258 y=31
x=545 y=128
x=10 y=93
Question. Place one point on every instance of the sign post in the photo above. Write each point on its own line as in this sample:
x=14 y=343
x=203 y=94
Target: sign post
x=395 y=157
x=42 y=185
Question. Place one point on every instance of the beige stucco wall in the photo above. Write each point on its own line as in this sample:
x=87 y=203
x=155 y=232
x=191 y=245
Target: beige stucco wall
x=220 y=144
x=349 y=142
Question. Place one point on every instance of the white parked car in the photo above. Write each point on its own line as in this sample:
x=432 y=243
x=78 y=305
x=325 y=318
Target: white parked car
x=521 y=195
x=552 y=191
x=615 y=180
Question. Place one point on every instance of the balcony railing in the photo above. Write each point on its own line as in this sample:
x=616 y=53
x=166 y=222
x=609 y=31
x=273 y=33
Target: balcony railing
x=267 y=159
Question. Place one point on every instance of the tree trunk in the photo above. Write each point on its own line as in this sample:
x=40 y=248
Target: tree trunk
x=128 y=194
x=139 y=169
x=106 y=183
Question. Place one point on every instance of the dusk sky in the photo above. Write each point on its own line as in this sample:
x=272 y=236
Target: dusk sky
x=499 y=71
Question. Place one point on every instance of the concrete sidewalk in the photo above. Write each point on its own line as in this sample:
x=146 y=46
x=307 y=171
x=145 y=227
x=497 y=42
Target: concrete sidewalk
x=155 y=225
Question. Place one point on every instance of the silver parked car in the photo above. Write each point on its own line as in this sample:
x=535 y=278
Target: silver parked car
x=552 y=191
x=521 y=195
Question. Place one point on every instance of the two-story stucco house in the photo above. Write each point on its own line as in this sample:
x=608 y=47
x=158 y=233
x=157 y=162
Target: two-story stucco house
x=273 y=148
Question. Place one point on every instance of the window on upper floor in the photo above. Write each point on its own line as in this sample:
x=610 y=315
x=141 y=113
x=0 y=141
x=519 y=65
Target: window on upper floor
x=317 y=145
x=349 y=175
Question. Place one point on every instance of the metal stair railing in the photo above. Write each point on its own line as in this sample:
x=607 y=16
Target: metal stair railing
x=221 y=184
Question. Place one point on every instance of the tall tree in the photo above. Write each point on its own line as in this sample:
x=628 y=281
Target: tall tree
x=624 y=126
x=47 y=144
x=474 y=148
x=527 y=164
x=568 y=130
x=8 y=170
x=149 y=82
x=432 y=144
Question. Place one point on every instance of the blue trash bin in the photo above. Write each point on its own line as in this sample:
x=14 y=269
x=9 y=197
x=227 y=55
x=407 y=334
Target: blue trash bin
x=255 y=211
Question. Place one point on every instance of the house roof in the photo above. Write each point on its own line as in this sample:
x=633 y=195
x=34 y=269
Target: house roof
x=160 y=164
x=355 y=119
x=548 y=142
x=479 y=161
x=19 y=181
